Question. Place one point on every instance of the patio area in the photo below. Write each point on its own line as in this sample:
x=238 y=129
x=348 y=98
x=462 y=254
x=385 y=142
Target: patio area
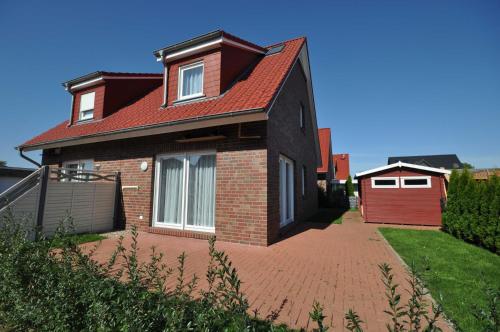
x=333 y=264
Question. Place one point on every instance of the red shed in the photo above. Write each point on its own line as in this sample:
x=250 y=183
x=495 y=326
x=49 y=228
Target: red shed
x=402 y=193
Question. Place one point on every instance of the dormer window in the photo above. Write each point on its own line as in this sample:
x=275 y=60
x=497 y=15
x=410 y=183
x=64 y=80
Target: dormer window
x=87 y=106
x=191 y=81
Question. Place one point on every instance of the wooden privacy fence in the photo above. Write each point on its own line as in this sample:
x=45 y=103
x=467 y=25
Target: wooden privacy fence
x=51 y=195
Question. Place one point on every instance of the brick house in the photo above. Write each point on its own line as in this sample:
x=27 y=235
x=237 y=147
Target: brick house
x=326 y=171
x=223 y=142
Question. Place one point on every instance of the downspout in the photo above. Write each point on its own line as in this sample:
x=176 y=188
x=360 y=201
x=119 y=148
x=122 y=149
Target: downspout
x=28 y=158
x=165 y=79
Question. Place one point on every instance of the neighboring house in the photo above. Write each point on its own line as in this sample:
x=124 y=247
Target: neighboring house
x=223 y=142
x=485 y=173
x=326 y=172
x=446 y=161
x=342 y=172
x=9 y=176
x=402 y=193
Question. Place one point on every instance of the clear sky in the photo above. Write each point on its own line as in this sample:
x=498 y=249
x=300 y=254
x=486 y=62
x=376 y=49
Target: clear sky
x=390 y=77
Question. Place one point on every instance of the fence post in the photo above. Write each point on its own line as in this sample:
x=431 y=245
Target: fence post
x=44 y=179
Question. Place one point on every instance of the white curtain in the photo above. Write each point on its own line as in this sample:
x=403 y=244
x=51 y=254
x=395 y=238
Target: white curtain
x=192 y=81
x=170 y=202
x=201 y=201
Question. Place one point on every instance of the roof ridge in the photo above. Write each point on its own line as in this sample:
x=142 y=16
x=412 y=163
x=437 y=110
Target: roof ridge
x=285 y=41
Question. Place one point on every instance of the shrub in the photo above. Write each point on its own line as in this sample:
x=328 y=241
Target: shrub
x=47 y=289
x=472 y=211
x=349 y=187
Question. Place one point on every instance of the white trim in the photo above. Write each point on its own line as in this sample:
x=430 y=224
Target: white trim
x=194 y=49
x=206 y=46
x=180 y=80
x=428 y=185
x=100 y=78
x=400 y=164
x=395 y=178
x=183 y=225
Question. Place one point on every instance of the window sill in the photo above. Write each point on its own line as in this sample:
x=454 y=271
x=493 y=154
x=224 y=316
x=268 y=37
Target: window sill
x=188 y=99
x=84 y=121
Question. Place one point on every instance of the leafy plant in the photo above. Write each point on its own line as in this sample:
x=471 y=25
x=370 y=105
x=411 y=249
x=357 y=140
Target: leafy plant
x=349 y=187
x=318 y=317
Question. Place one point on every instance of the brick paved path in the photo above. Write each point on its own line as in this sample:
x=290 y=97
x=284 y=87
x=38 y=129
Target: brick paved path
x=334 y=264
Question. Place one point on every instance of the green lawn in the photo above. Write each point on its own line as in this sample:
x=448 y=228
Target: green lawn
x=455 y=272
x=79 y=239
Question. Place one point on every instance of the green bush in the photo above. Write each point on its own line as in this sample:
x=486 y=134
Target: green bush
x=47 y=289
x=349 y=187
x=472 y=211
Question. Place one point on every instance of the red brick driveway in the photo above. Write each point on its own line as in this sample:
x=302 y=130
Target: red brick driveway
x=334 y=264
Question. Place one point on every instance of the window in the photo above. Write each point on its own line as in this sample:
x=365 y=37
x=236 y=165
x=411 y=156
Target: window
x=385 y=182
x=191 y=81
x=185 y=191
x=76 y=167
x=286 y=191
x=87 y=106
x=415 y=182
x=303 y=181
x=302 y=117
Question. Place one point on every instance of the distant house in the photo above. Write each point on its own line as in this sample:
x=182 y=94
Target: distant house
x=9 y=176
x=485 y=174
x=222 y=140
x=342 y=172
x=445 y=161
x=326 y=171
x=402 y=193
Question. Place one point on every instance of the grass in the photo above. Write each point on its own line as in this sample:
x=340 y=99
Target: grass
x=455 y=272
x=79 y=238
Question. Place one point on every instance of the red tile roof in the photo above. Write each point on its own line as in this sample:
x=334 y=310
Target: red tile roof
x=325 y=146
x=341 y=162
x=254 y=92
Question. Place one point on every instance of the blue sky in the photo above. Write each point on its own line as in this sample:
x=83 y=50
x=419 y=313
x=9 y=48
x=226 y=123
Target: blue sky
x=390 y=77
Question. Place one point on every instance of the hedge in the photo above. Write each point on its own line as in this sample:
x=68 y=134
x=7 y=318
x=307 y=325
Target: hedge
x=472 y=212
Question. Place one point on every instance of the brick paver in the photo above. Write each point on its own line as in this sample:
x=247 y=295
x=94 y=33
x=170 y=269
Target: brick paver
x=334 y=264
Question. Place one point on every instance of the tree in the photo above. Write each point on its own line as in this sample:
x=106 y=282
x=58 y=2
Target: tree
x=349 y=187
x=3 y=163
x=468 y=166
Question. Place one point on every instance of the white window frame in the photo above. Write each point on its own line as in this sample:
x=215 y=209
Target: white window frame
x=185 y=192
x=291 y=177
x=404 y=185
x=385 y=178
x=82 y=112
x=79 y=168
x=303 y=181
x=181 y=80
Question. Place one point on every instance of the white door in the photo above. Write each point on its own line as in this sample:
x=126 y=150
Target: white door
x=286 y=191
x=185 y=191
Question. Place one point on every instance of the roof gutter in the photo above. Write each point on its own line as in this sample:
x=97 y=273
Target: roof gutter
x=249 y=115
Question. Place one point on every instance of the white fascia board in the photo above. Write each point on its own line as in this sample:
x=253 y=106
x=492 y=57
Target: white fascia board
x=98 y=79
x=400 y=164
x=207 y=46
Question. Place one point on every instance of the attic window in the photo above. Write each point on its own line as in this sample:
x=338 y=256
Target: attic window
x=191 y=81
x=87 y=106
x=275 y=49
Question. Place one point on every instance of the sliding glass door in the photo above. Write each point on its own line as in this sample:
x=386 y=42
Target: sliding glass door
x=185 y=191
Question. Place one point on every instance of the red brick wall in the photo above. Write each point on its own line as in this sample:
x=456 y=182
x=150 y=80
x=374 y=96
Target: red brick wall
x=98 y=102
x=412 y=206
x=121 y=92
x=211 y=79
x=234 y=62
x=286 y=137
x=241 y=189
